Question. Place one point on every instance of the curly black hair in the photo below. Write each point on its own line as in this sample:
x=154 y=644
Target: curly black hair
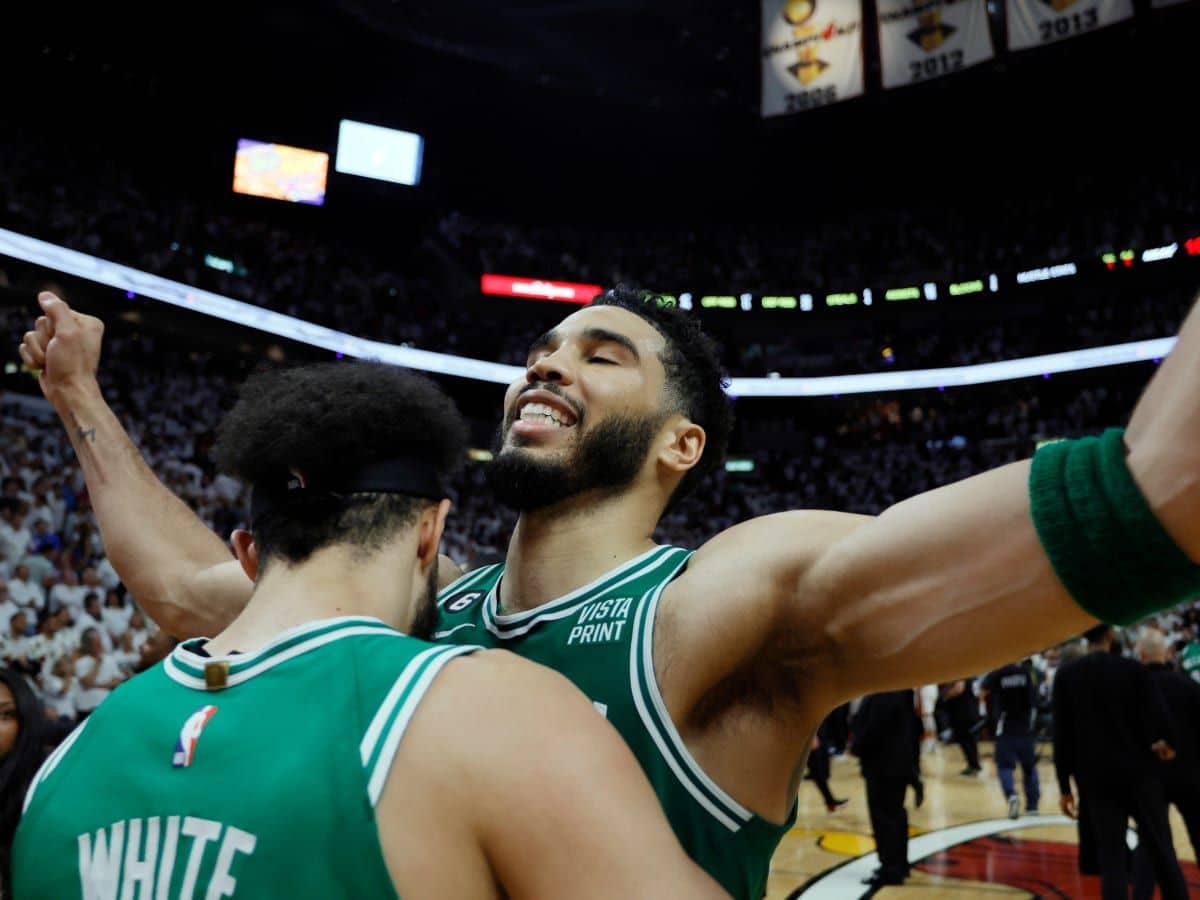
x=696 y=381
x=326 y=421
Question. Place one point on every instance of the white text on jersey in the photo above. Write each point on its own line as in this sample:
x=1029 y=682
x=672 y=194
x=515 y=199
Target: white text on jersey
x=115 y=860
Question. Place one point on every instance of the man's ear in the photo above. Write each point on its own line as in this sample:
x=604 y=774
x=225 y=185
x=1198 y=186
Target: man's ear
x=429 y=534
x=682 y=445
x=246 y=552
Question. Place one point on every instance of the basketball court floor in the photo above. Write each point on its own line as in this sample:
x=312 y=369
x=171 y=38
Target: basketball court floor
x=962 y=844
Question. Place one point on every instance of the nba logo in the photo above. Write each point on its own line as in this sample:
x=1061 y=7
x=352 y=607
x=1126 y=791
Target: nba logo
x=189 y=736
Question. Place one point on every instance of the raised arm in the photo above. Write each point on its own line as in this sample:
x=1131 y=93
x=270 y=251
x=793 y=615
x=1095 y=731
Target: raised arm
x=948 y=583
x=178 y=569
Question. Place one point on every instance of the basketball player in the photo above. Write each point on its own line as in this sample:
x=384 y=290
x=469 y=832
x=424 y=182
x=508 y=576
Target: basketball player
x=312 y=749
x=717 y=666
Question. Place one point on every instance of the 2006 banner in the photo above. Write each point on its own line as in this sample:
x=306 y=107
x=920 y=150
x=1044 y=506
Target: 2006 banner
x=811 y=54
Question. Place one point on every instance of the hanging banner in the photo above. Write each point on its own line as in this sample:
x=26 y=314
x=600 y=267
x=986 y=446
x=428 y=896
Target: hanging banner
x=1035 y=22
x=811 y=54
x=924 y=39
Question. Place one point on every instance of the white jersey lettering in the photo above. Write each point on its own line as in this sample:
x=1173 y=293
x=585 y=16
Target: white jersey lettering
x=100 y=863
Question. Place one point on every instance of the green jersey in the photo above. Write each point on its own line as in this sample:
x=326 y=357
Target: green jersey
x=601 y=637
x=252 y=775
x=1189 y=660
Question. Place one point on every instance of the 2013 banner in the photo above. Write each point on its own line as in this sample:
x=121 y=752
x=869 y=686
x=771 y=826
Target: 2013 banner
x=1032 y=23
x=924 y=39
x=811 y=54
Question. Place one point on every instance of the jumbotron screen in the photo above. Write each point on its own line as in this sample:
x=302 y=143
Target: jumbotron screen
x=280 y=172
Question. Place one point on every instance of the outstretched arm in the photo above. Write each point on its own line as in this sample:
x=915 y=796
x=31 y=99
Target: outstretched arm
x=948 y=583
x=177 y=568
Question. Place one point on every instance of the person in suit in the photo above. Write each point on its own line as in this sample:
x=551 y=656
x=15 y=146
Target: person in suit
x=962 y=714
x=1181 y=775
x=883 y=738
x=818 y=769
x=1110 y=724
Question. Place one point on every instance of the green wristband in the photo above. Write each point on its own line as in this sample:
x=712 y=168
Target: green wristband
x=1103 y=540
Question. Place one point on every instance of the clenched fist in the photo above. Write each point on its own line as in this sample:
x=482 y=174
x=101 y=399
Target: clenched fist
x=64 y=345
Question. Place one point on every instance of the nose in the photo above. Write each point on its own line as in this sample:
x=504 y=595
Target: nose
x=550 y=367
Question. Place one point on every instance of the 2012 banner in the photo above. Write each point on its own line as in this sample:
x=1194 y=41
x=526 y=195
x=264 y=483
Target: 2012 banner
x=924 y=39
x=811 y=54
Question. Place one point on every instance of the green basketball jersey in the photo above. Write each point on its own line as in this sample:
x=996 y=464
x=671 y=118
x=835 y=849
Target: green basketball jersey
x=1189 y=660
x=601 y=637
x=252 y=775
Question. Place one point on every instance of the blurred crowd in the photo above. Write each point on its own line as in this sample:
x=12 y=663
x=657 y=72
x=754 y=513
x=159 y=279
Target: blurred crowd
x=421 y=287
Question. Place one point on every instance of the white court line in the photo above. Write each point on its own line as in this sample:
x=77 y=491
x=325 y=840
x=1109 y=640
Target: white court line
x=845 y=882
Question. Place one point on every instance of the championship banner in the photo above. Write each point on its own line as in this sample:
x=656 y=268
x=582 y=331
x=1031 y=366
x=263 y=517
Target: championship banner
x=924 y=39
x=1035 y=22
x=811 y=54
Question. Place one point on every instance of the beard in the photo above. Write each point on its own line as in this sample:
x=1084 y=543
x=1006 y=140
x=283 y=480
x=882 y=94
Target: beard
x=607 y=458
x=425 y=618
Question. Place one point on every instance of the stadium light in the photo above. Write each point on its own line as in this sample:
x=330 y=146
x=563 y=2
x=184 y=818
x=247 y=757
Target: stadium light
x=136 y=282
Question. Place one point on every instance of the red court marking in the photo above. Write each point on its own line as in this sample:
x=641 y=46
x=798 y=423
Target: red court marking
x=1047 y=869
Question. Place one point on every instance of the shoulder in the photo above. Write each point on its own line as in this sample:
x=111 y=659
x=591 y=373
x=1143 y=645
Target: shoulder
x=801 y=534
x=521 y=712
x=489 y=686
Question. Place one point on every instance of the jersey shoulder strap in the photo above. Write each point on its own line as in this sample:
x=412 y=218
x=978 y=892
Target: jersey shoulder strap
x=379 y=743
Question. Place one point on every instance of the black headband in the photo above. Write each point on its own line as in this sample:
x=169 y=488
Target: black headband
x=413 y=477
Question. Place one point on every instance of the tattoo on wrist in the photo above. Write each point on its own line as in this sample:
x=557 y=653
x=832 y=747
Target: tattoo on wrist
x=87 y=434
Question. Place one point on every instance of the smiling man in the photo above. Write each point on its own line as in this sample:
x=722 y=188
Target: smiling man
x=718 y=665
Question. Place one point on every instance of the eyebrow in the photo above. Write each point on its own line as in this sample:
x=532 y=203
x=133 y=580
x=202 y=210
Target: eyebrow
x=604 y=336
x=598 y=335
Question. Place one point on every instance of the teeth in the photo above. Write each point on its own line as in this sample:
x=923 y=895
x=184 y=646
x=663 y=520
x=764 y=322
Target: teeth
x=540 y=412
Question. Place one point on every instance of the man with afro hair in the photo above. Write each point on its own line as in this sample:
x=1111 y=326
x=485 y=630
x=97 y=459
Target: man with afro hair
x=318 y=746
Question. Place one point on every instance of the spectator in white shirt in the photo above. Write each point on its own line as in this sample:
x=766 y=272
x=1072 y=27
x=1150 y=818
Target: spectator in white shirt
x=97 y=671
x=7 y=607
x=91 y=582
x=60 y=688
x=46 y=646
x=14 y=647
x=66 y=639
x=14 y=536
x=116 y=614
x=138 y=632
x=68 y=593
x=126 y=656
x=49 y=504
x=92 y=617
x=24 y=591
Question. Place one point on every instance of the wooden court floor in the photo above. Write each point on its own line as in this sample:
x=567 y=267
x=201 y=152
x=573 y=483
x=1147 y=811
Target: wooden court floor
x=970 y=848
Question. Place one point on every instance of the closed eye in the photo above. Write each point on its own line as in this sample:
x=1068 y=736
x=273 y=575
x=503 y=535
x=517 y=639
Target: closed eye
x=601 y=359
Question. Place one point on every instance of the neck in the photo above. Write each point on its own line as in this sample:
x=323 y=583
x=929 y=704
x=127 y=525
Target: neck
x=330 y=584
x=565 y=546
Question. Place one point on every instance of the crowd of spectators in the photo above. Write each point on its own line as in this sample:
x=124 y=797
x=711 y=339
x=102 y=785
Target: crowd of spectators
x=423 y=291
